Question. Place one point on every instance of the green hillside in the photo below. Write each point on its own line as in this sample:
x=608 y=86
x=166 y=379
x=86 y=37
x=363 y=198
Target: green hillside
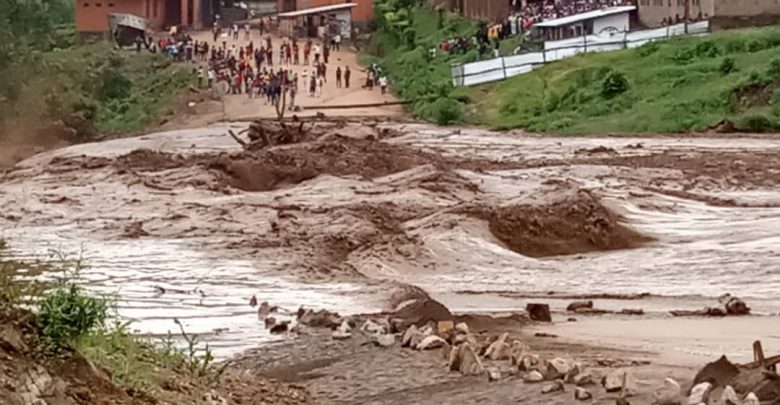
x=671 y=86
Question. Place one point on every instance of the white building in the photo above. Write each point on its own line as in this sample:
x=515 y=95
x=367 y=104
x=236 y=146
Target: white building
x=598 y=22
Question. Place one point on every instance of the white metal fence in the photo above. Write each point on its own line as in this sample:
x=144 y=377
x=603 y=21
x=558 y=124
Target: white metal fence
x=492 y=70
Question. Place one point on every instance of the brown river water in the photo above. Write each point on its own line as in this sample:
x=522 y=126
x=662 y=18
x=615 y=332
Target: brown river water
x=710 y=205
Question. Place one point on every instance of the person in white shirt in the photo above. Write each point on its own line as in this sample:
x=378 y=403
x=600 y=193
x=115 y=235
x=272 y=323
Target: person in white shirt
x=383 y=83
x=316 y=50
x=337 y=41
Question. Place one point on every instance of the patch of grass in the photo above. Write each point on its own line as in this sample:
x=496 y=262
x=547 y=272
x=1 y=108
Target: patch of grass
x=69 y=318
x=672 y=86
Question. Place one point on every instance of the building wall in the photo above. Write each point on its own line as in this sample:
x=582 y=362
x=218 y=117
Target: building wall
x=746 y=8
x=489 y=10
x=360 y=14
x=618 y=22
x=92 y=15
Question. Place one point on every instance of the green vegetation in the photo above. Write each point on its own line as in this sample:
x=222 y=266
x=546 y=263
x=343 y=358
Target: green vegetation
x=51 y=83
x=405 y=32
x=672 y=86
x=69 y=319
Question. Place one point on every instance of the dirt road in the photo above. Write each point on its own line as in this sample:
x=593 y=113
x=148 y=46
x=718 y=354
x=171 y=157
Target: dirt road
x=237 y=107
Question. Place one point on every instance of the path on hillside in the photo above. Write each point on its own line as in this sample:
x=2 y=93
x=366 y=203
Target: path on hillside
x=239 y=107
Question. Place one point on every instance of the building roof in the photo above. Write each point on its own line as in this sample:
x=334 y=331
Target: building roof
x=590 y=15
x=317 y=10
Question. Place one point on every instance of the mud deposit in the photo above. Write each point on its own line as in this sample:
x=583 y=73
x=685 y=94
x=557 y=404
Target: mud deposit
x=186 y=224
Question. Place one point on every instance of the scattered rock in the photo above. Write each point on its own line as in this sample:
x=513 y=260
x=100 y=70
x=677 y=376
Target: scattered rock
x=618 y=380
x=581 y=394
x=571 y=320
x=453 y=363
x=469 y=361
x=668 y=394
x=269 y=322
x=406 y=340
x=533 y=377
x=545 y=335
x=630 y=311
x=713 y=312
x=320 y=319
x=700 y=393
x=11 y=340
x=729 y=397
x=253 y=301
x=751 y=399
x=494 y=374
x=528 y=362
x=212 y=398
x=578 y=305
x=340 y=335
x=556 y=386
x=560 y=367
x=372 y=328
x=431 y=342
x=266 y=309
x=385 y=340
x=462 y=327
x=281 y=327
x=498 y=350
x=539 y=312
x=445 y=352
x=583 y=379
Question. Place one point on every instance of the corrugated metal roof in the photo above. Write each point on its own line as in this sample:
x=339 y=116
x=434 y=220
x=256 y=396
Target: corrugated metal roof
x=317 y=10
x=590 y=15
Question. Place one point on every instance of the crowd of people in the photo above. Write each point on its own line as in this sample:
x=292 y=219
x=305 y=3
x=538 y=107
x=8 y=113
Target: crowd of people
x=538 y=11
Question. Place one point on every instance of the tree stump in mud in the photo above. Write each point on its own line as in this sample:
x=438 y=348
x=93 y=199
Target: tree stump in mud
x=267 y=133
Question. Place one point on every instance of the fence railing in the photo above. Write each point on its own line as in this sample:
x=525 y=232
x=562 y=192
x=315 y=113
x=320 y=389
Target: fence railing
x=497 y=69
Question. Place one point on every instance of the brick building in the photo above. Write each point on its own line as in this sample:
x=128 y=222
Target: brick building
x=92 y=15
x=488 y=10
x=361 y=14
x=721 y=13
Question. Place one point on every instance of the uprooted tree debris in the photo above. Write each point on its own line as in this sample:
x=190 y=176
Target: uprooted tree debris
x=267 y=133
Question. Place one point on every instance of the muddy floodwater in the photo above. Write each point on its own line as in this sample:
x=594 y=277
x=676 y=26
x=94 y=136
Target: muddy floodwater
x=185 y=224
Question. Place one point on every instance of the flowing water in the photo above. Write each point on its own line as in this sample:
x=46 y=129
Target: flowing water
x=701 y=251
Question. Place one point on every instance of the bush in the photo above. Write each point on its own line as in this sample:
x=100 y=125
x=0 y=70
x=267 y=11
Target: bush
x=728 y=65
x=648 y=49
x=66 y=314
x=614 y=84
x=756 y=123
x=445 y=111
x=774 y=68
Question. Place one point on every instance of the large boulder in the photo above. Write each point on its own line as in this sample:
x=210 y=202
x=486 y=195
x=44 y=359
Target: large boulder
x=751 y=399
x=421 y=311
x=462 y=327
x=539 y=312
x=583 y=379
x=734 y=305
x=431 y=342
x=370 y=327
x=499 y=350
x=528 y=362
x=719 y=373
x=700 y=394
x=668 y=394
x=384 y=340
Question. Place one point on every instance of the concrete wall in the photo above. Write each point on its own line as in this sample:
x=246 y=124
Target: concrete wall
x=618 y=22
x=92 y=15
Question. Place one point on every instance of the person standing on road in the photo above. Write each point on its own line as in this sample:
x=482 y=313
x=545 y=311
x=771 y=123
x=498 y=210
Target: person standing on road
x=337 y=41
x=383 y=84
x=246 y=31
x=313 y=85
x=316 y=51
x=320 y=85
x=306 y=51
x=326 y=53
x=296 y=54
x=338 y=77
x=235 y=31
x=347 y=75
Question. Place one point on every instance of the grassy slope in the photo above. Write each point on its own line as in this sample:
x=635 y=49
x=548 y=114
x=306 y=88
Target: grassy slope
x=673 y=86
x=414 y=76
x=94 y=90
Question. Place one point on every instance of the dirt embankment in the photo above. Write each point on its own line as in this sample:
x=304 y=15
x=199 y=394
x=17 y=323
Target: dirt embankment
x=575 y=223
